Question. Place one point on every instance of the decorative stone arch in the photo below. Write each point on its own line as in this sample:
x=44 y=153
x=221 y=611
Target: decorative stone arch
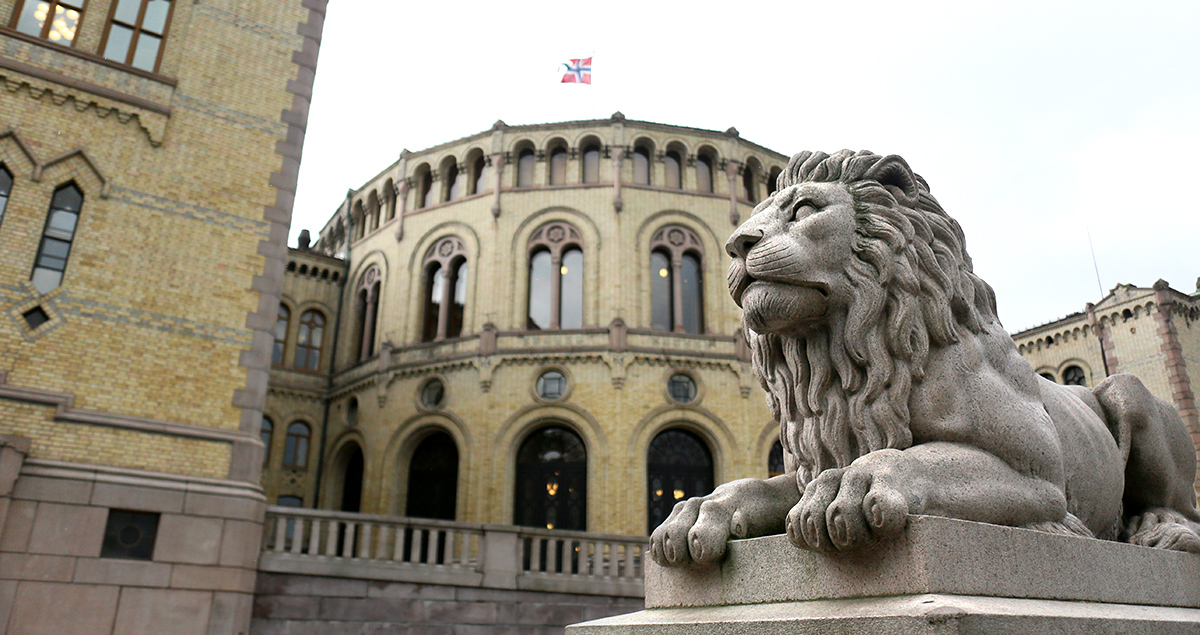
x=424 y=181
x=336 y=459
x=525 y=421
x=650 y=146
x=16 y=155
x=518 y=149
x=449 y=173
x=374 y=212
x=77 y=166
x=365 y=299
x=1062 y=373
x=403 y=442
x=447 y=256
x=387 y=201
x=752 y=175
x=408 y=300
x=762 y=448
x=555 y=147
x=358 y=221
x=677 y=151
x=585 y=142
x=710 y=250
x=475 y=160
x=1048 y=370
x=524 y=240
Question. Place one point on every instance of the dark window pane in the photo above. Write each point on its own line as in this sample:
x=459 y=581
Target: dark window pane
x=6 y=182
x=433 y=478
x=427 y=190
x=551 y=385
x=265 y=433
x=67 y=198
x=660 y=292
x=35 y=317
x=129 y=535
x=433 y=393
x=525 y=169
x=455 y=179
x=458 y=301
x=155 y=19
x=704 y=181
x=117 y=46
x=55 y=249
x=1074 y=376
x=572 y=290
x=281 y=326
x=693 y=316
x=775 y=465
x=146 y=54
x=127 y=11
x=481 y=175
x=674 y=176
x=539 y=290
x=591 y=165
x=641 y=166
x=682 y=388
x=748 y=185
x=433 y=301
x=678 y=466
x=295 y=447
x=551 y=480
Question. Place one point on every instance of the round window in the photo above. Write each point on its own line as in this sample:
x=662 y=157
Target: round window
x=682 y=388
x=552 y=385
x=433 y=393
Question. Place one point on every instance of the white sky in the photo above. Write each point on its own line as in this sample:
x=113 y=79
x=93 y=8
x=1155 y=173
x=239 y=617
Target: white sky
x=1033 y=122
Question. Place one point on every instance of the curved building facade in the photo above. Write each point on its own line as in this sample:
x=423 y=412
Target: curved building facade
x=529 y=325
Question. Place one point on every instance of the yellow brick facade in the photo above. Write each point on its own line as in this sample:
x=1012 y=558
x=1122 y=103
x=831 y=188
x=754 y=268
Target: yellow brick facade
x=617 y=366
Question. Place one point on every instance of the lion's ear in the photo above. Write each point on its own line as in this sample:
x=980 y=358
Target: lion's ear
x=893 y=173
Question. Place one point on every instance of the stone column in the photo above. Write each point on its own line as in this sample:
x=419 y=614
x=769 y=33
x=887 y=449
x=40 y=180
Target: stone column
x=498 y=168
x=555 y=289
x=618 y=156
x=368 y=334
x=444 y=308
x=677 y=291
x=401 y=207
x=731 y=171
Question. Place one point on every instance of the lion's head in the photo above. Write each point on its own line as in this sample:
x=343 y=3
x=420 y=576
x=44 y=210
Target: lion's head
x=848 y=276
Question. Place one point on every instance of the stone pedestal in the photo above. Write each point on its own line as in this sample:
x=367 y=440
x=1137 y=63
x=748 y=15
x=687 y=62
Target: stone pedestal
x=943 y=576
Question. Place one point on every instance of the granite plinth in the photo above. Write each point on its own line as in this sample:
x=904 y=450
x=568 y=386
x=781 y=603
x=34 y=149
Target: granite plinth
x=941 y=576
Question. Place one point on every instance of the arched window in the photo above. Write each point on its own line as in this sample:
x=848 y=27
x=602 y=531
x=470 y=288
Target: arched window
x=749 y=190
x=265 y=433
x=773 y=181
x=309 y=339
x=674 y=171
x=281 y=329
x=57 y=237
x=424 y=182
x=1074 y=376
x=445 y=268
x=453 y=180
x=479 y=174
x=525 y=161
x=433 y=478
x=6 y=182
x=352 y=465
x=1047 y=376
x=558 y=166
x=555 y=277
x=591 y=164
x=551 y=480
x=295 y=446
x=365 y=307
x=641 y=165
x=704 y=173
x=775 y=465
x=676 y=295
x=679 y=465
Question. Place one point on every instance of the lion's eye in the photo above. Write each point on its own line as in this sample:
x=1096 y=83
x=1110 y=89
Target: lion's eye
x=802 y=209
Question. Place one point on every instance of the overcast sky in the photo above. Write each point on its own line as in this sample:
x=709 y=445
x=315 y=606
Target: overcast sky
x=1034 y=123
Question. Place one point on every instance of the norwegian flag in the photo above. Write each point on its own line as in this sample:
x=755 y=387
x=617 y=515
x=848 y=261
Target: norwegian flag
x=578 y=72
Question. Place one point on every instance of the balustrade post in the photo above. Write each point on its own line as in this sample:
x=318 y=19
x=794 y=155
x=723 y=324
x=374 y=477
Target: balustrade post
x=500 y=557
x=280 y=524
x=297 y=527
x=364 y=541
x=314 y=537
x=347 y=550
x=331 y=540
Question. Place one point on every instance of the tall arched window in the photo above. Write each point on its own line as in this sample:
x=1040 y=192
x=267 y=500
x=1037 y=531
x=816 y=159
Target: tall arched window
x=352 y=468
x=1074 y=376
x=773 y=181
x=366 y=307
x=6 y=182
x=525 y=160
x=433 y=478
x=309 y=340
x=704 y=172
x=749 y=189
x=591 y=164
x=558 y=166
x=479 y=174
x=281 y=329
x=641 y=165
x=295 y=446
x=265 y=433
x=57 y=237
x=676 y=293
x=679 y=465
x=445 y=268
x=454 y=180
x=674 y=169
x=555 y=277
x=551 y=480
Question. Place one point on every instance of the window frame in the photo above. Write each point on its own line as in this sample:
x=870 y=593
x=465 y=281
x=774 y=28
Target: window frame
x=70 y=241
x=309 y=349
x=137 y=32
x=447 y=255
x=15 y=20
x=677 y=242
x=266 y=434
x=293 y=458
x=283 y=316
x=559 y=238
x=5 y=194
x=366 y=306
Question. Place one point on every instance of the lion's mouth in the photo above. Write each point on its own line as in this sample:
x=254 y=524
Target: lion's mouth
x=740 y=281
x=783 y=307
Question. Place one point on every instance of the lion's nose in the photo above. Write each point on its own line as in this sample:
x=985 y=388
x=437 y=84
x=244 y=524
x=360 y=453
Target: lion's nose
x=742 y=241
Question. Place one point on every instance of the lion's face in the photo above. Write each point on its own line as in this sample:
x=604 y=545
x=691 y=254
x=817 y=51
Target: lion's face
x=790 y=258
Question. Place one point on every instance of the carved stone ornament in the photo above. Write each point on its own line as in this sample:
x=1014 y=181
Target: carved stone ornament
x=898 y=392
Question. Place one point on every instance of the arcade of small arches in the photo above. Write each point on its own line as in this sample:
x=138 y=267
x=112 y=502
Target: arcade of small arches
x=671 y=167
x=1075 y=334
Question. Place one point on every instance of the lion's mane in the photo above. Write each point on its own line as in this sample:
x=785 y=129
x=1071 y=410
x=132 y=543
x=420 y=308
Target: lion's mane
x=843 y=391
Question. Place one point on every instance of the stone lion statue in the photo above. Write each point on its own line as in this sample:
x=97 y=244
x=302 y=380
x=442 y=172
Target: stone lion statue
x=898 y=392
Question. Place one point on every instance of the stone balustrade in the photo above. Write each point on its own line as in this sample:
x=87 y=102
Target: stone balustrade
x=394 y=548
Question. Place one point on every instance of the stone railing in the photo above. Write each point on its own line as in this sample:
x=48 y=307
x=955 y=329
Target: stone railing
x=338 y=544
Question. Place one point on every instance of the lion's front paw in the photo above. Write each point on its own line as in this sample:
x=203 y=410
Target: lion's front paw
x=848 y=508
x=1162 y=529
x=698 y=528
